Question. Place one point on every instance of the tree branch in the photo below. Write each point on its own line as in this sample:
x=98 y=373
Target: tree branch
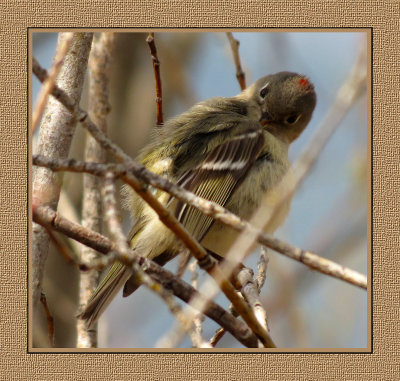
x=212 y=209
x=46 y=216
x=56 y=131
x=99 y=108
x=262 y=268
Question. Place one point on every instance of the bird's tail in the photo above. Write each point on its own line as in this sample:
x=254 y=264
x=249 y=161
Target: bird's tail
x=105 y=292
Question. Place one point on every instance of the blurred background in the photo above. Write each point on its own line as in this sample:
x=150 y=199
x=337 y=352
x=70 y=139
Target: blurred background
x=329 y=211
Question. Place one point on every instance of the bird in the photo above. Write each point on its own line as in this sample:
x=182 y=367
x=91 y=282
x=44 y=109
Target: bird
x=229 y=150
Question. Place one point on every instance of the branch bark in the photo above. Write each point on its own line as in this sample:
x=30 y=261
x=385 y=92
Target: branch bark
x=46 y=216
x=99 y=108
x=56 y=131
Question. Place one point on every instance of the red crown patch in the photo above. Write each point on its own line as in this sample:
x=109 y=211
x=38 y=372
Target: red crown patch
x=304 y=82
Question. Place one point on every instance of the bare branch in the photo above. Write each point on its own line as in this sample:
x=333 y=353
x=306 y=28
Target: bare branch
x=199 y=317
x=57 y=92
x=61 y=248
x=111 y=215
x=184 y=259
x=99 y=108
x=250 y=289
x=157 y=75
x=46 y=216
x=219 y=334
x=236 y=57
x=57 y=129
x=214 y=210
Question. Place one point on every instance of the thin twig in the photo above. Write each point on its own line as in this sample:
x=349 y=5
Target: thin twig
x=236 y=57
x=50 y=319
x=57 y=92
x=157 y=75
x=46 y=216
x=219 y=334
x=111 y=215
x=214 y=210
x=48 y=84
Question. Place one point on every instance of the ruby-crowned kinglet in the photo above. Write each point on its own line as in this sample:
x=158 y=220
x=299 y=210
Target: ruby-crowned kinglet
x=228 y=150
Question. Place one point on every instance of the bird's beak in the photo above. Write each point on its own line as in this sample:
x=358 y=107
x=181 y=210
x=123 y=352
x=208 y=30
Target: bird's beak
x=266 y=118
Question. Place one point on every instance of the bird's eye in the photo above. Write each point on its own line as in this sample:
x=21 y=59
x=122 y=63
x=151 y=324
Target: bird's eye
x=292 y=119
x=264 y=91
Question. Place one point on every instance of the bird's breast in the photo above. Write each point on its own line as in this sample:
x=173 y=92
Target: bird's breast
x=260 y=185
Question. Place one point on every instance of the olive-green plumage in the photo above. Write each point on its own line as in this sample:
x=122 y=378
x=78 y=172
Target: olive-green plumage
x=228 y=150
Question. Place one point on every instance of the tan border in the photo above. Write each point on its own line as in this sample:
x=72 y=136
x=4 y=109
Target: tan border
x=16 y=363
x=195 y=350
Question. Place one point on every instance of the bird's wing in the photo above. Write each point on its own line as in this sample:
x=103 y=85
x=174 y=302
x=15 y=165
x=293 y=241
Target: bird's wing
x=218 y=176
